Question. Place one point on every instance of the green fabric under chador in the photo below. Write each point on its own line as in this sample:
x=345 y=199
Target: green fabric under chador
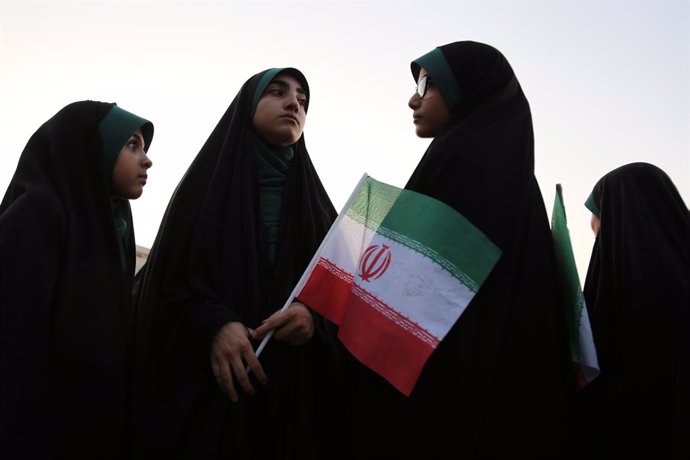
x=273 y=164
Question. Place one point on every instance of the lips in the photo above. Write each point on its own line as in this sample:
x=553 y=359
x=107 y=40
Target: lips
x=291 y=117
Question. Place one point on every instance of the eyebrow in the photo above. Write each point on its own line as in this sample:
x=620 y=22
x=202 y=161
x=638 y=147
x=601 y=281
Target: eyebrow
x=286 y=85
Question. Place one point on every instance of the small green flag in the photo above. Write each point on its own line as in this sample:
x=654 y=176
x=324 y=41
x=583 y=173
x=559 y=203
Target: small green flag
x=583 y=352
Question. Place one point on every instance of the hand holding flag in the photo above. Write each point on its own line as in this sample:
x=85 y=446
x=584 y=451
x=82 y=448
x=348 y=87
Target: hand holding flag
x=293 y=325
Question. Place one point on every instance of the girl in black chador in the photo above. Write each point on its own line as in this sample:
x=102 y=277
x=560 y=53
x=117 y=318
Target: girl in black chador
x=239 y=231
x=498 y=384
x=66 y=268
x=638 y=298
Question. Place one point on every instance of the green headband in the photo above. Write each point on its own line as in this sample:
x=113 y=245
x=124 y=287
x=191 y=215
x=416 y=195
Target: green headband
x=261 y=87
x=115 y=129
x=437 y=67
x=592 y=205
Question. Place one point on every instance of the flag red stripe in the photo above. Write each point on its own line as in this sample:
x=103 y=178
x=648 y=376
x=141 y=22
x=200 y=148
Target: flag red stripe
x=391 y=314
x=377 y=335
x=327 y=290
x=380 y=344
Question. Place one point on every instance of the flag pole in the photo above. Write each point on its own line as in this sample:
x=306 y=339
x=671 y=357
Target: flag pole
x=303 y=279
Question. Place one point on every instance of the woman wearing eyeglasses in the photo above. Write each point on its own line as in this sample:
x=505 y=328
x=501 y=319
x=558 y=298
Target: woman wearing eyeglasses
x=501 y=378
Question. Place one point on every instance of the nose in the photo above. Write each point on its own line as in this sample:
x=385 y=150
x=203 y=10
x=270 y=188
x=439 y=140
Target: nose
x=292 y=102
x=147 y=163
x=414 y=101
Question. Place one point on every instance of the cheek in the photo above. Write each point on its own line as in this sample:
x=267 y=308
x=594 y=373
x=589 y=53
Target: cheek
x=302 y=122
x=441 y=114
x=261 y=114
x=259 y=124
x=595 y=223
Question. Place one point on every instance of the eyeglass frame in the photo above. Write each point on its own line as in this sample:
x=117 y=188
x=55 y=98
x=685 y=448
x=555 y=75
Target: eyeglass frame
x=422 y=85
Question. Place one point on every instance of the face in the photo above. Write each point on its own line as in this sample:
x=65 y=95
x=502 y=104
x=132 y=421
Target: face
x=129 y=176
x=596 y=224
x=280 y=115
x=430 y=112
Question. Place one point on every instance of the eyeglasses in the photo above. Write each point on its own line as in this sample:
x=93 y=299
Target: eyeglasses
x=422 y=85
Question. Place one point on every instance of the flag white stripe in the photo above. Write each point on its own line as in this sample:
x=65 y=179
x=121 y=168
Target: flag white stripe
x=414 y=285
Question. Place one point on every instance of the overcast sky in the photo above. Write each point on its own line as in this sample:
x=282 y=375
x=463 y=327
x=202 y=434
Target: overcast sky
x=608 y=81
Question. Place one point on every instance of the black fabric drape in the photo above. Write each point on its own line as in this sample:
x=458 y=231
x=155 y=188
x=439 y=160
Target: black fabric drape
x=638 y=297
x=497 y=385
x=208 y=266
x=64 y=298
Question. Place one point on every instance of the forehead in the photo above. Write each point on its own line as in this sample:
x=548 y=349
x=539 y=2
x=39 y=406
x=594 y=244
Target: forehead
x=288 y=81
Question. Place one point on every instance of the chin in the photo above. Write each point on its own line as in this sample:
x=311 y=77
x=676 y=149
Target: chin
x=423 y=134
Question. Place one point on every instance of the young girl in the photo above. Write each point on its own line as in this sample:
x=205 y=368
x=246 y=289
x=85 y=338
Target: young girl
x=638 y=298
x=500 y=379
x=239 y=231
x=66 y=268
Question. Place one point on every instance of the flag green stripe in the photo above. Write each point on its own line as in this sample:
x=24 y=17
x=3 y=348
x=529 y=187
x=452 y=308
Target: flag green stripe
x=373 y=202
x=405 y=216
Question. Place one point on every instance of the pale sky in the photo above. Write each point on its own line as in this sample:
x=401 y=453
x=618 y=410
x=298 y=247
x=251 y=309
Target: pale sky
x=608 y=81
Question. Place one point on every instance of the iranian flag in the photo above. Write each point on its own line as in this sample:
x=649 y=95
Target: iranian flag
x=395 y=272
x=583 y=352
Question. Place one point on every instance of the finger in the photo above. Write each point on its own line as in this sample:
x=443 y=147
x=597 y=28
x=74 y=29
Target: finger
x=259 y=333
x=296 y=329
x=225 y=380
x=256 y=337
x=242 y=377
x=274 y=321
x=284 y=332
x=253 y=336
x=255 y=366
x=294 y=334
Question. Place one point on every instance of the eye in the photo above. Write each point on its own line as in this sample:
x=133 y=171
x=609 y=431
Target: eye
x=133 y=144
x=302 y=102
x=275 y=91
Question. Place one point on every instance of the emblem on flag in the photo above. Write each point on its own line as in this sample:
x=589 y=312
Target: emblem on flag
x=374 y=262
